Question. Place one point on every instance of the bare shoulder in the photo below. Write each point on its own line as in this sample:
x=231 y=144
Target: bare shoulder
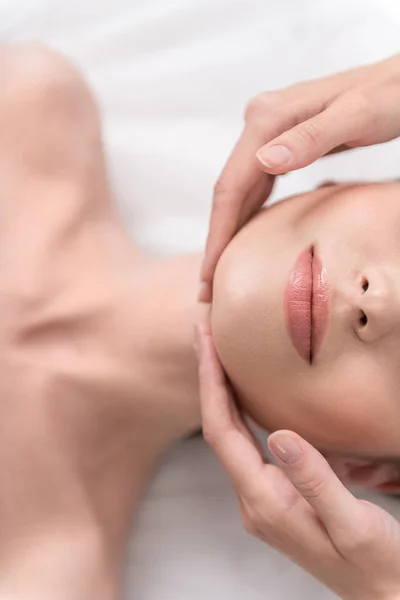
x=48 y=115
x=35 y=75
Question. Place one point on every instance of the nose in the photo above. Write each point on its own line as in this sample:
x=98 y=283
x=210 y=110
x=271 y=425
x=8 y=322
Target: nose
x=376 y=304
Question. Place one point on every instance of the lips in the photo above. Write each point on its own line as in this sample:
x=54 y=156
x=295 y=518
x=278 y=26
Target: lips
x=306 y=304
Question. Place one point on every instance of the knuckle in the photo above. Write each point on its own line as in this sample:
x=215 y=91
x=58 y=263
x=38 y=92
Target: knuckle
x=266 y=519
x=309 y=134
x=359 y=540
x=270 y=525
x=210 y=436
x=361 y=112
x=312 y=487
x=254 y=523
x=261 y=103
x=223 y=190
x=220 y=190
x=269 y=517
x=358 y=104
x=249 y=525
x=356 y=543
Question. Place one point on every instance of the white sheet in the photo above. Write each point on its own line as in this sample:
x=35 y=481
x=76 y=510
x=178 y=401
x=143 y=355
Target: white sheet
x=173 y=77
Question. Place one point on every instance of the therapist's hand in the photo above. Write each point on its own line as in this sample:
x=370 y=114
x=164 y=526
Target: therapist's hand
x=301 y=509
x=291 y=128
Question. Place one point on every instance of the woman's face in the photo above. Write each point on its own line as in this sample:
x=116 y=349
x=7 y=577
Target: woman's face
x=306 y=317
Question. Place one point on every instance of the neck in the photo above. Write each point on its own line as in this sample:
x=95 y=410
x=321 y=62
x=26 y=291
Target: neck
x=165 y=370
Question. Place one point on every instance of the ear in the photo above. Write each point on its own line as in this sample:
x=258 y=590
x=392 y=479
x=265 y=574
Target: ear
x=384 y=476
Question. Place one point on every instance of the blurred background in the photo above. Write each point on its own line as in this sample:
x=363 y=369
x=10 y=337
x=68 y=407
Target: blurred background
x=172 y=78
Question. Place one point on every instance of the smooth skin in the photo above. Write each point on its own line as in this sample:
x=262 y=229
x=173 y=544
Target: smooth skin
x=301 y=508
x=354 y=376
x=96 y=380
x=289 y=129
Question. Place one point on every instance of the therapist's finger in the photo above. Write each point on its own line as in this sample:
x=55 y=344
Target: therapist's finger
x=223 y=429
x=305 y=467
x=212 y=380
x=348 y=122
x=212 y=377
x=308 y=141
x=271 y=507
x=241 y=189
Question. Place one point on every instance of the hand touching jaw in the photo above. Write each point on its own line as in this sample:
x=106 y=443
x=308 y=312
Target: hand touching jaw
x=346 y=400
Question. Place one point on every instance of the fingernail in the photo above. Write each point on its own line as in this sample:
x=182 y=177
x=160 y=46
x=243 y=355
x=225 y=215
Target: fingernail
x=274 y=156
x=286 y=449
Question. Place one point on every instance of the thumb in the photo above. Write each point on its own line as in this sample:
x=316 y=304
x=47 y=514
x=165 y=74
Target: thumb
x=313 y=478
x=339 y=124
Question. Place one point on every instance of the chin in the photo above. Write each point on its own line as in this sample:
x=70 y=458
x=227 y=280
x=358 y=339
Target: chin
x=247 y=317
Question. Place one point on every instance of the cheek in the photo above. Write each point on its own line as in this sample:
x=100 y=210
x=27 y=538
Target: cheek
x=351 y=405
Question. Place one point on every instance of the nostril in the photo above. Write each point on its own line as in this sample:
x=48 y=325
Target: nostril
x=364 y=284
x=363 y=320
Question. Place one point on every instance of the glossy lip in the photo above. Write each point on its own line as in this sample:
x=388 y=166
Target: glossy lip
x=306 y=304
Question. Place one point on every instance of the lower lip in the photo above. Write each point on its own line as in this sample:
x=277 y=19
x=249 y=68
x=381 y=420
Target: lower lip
x=307 y=304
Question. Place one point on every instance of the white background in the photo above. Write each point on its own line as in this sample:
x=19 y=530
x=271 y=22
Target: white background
x=172 y=78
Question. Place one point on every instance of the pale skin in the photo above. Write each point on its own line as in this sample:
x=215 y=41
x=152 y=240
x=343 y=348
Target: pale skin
x=288 y=129
x=98 y=372
x=300 y=508
x=333 y=403
x=96 y=381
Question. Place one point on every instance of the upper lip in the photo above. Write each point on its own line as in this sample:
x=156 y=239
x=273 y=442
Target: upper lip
x=307 y=304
